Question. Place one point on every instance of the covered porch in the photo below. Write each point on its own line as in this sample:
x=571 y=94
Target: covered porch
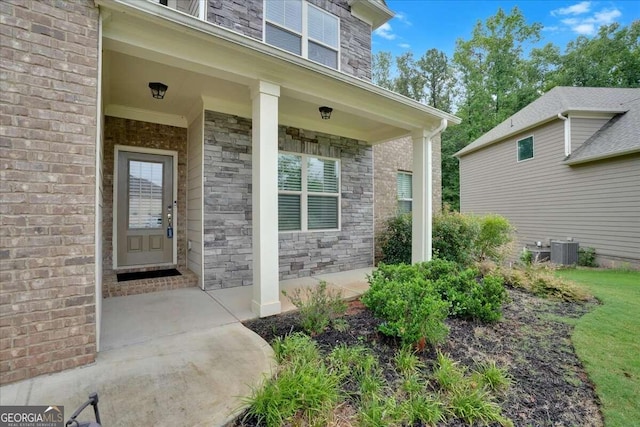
x=215 y=75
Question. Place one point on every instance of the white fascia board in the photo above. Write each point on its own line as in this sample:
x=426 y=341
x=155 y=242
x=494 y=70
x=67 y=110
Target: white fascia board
x=260 y=58
x=601 y=157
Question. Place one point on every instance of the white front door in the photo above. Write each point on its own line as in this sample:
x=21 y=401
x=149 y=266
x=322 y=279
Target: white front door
x=145 y=213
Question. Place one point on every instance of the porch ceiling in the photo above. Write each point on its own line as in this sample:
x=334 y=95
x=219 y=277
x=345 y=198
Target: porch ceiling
x=206 y=65
x=126 y=94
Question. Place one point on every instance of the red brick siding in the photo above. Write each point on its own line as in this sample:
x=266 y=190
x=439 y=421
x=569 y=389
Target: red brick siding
x=134 y=133
x=47 y=184
x=388 y=159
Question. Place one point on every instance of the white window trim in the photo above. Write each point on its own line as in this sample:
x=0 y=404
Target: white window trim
x=533 y=146
x=304 y=193
x=400 y=199
x=304 y=34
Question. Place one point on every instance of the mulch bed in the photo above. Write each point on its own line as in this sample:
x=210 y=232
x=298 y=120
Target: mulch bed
x=550 y=386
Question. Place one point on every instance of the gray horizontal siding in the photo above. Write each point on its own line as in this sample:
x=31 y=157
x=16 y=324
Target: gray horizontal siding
x=582 y=129
x=596 y=203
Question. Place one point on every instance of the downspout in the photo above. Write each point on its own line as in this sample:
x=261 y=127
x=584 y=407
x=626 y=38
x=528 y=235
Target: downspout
x=567 y=134
x=429 y=178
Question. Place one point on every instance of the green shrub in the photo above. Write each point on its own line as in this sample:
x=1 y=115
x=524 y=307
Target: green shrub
x=587 y=257
x=303 y=387
x=473 y=298
x=411 y=308
x=318 y=307
x=526 y=257
x=396 y=240
x=454 y=237
x=495 y=233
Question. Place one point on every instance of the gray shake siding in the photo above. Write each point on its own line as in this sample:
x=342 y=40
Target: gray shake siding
x=246 y=17
x=596 y=203
x=227 y=205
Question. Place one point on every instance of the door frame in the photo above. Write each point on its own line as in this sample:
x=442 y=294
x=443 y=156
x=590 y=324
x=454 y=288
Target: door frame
x=171 y=153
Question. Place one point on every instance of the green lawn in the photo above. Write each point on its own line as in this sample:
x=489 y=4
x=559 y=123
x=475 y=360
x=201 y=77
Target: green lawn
x=607 y=340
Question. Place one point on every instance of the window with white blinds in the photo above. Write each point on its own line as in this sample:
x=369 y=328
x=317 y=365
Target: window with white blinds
x=405 y=192
x=303 y=29
x=308 y=193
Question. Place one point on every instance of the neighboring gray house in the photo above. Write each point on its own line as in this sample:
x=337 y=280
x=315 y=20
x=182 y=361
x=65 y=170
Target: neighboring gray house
x=567 y=165
x=256 y=184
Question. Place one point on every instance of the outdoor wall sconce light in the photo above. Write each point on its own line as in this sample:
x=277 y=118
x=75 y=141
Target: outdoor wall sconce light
x=325 y=112
x=158 y=89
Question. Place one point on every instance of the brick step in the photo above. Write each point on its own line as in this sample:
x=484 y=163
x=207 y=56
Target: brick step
x=112 y=288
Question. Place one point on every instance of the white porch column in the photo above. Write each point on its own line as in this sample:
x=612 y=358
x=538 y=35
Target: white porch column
x=266 y=287
x=422 y=206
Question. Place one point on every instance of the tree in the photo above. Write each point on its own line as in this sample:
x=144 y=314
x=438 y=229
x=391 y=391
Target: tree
x=493 y=70
x=610 y=59
x=438 y=76
x=409 y=81
x=381 y=70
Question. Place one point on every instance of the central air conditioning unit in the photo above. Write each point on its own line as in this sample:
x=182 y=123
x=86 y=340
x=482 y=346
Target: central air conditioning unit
x=564 y=252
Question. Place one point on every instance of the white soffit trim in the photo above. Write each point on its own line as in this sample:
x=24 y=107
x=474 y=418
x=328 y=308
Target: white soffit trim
x=125 y=112
x=373 y=12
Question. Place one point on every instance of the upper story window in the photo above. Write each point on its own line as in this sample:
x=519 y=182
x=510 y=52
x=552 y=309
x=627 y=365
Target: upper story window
x=405 y=192
x=525 y=148
x=308 y=193
x=303 y=29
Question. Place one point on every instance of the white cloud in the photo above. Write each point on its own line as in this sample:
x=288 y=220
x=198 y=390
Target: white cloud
x=606 y=17
x=584 y=29
x=576 y=9
x=404 y=45
x=586 y=23
x=402 y=17
x=552 y=28
x=385 y=31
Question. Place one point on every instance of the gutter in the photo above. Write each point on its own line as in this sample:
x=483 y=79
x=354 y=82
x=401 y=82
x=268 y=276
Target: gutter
x=567 y=133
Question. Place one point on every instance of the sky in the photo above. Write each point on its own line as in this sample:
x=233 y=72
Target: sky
x=420 y=25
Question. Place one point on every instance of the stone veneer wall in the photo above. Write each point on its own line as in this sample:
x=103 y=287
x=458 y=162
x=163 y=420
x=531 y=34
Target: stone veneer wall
x=47 y=185
x=246 y=17
x=118 y=131
x=227 y=205
x=389 y=159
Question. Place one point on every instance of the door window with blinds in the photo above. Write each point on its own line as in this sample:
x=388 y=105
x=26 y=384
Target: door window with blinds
x=308 y=193
x=303 y=29
x=405 y=192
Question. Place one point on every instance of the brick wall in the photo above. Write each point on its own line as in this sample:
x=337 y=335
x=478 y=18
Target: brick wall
x=47 y=185
x=389 y=159
x=227 y=205
x=246 y=17
x=148 y=135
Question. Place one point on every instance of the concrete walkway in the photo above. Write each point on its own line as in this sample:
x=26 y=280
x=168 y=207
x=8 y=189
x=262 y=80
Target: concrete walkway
x=172 y=358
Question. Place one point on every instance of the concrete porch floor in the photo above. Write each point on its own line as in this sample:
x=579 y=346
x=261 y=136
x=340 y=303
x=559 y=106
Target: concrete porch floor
x=177 y=357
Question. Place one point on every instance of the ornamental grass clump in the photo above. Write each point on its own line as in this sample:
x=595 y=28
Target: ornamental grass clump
x=318 y=307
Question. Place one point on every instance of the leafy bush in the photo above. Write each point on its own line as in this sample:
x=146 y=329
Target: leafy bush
x=454 y=237
x=411 y=308
x=318 y=307
x=526 y=257
x=495 y=233
x=587 y=257
x=396 y=240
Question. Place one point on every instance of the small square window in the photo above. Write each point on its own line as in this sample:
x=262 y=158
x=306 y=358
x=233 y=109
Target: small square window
x=525 y=148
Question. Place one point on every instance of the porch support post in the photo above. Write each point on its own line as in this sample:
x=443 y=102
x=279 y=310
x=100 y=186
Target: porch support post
x=422 y=206
x=264 y=158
